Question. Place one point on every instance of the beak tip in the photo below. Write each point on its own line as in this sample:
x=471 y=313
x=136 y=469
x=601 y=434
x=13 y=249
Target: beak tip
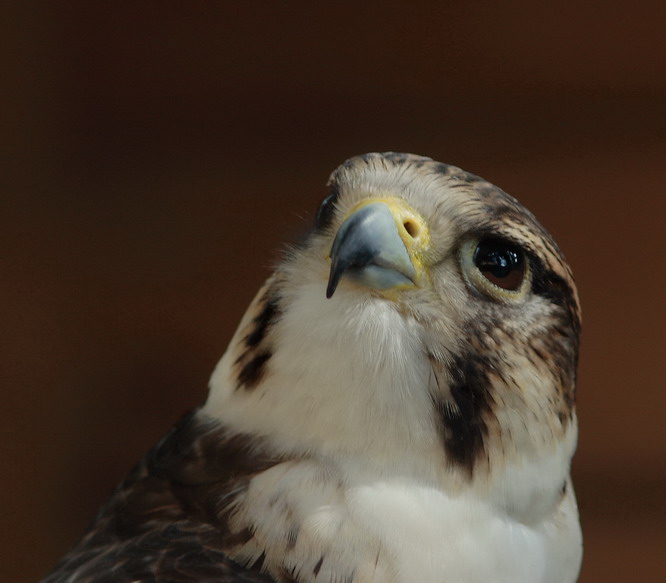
x=332 y=286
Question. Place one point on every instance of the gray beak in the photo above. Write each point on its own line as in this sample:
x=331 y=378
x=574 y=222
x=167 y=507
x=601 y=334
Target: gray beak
x=369 y=250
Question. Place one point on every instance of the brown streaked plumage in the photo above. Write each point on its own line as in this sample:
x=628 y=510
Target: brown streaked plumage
x=371 y=436
x=254 y=350
x=170 y=519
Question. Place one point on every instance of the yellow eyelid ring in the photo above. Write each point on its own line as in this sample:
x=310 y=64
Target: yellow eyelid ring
x=474 y=277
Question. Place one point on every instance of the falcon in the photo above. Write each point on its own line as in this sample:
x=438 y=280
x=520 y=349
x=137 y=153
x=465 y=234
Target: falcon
x=397 y=405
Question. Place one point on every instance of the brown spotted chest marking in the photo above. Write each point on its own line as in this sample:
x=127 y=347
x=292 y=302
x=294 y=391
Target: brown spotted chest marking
x=255 y=348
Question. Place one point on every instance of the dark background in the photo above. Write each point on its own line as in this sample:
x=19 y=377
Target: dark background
x=155 y=155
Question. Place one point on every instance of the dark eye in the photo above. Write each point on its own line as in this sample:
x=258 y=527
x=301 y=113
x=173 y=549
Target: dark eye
x=325 y=212
x=500 y=262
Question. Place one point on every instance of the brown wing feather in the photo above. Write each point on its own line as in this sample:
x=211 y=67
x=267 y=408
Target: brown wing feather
x=169 y=521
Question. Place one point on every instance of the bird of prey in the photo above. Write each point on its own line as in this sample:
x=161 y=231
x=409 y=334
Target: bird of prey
x=397 y=405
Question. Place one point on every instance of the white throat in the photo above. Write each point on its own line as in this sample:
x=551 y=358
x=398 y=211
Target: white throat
x=348 y=378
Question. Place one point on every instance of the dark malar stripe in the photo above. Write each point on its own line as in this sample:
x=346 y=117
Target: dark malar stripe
x=463 y=420
x=253 y=371
x=262 y=322
x=251 y=364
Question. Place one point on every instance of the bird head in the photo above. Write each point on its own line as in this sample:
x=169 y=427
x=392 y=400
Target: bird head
x=428 y=320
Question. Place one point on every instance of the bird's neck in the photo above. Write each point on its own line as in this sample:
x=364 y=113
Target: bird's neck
x=348 y=382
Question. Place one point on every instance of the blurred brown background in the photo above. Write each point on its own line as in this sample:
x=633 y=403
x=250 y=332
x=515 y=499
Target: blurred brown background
x=156 y=154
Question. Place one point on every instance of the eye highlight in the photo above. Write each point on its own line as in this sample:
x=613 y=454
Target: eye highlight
x=497 y=267
x=500 y=262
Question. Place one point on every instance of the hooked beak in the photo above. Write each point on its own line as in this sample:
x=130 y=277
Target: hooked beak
x=380 y=246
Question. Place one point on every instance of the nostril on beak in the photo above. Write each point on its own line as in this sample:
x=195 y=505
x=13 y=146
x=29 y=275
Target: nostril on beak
x=412 y=228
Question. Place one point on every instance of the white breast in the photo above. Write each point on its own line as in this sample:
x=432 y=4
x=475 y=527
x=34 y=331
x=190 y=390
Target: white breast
x=375 y=529
x=433 y=537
